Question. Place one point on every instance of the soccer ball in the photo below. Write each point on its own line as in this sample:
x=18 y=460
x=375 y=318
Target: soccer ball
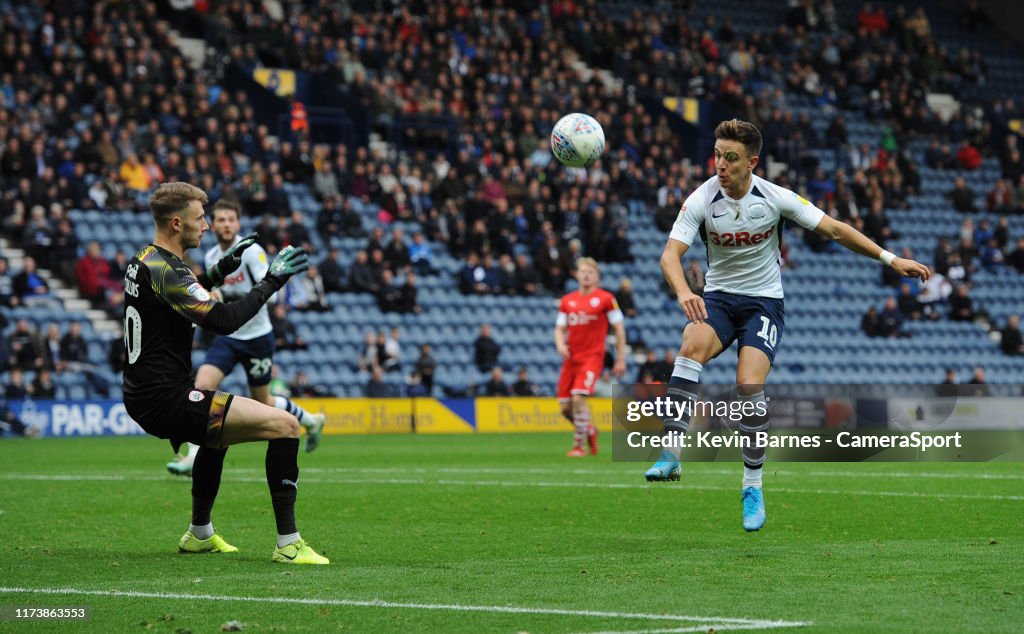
x=577 y=140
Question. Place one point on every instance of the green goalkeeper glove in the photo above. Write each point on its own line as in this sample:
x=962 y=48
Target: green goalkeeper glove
x=289 y=261
x=231 y=261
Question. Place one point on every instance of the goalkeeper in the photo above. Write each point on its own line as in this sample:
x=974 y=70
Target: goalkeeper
x=163 y=302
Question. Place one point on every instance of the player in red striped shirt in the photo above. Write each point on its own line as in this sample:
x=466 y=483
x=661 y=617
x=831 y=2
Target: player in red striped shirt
x=586 y=314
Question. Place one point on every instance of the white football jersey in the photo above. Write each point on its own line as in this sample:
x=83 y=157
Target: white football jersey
x=254 y=268
x=742 y=236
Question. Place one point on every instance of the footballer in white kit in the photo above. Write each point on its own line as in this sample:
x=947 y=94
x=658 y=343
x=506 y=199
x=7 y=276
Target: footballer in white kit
x=738 y=216
x=252 y=345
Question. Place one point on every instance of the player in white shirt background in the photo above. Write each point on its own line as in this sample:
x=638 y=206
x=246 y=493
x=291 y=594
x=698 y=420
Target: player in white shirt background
x=738 y=215
x=252 y=345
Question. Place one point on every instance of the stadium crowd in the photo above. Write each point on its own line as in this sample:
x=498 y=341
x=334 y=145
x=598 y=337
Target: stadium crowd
x=97 y=106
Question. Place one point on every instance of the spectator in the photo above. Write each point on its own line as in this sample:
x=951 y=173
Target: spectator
x=485 y=350
x=890 y=320
x=361 y=277
x=380 y=347
x=991 y=255
x=37 y=237
x=624 y=296
x=296 y=232
x=876 y=224
x=527 y=280
x=1000 y=198
x=506 y=275
x=134 y=174
x=935 y=291
x=618 y=246
x=377 y=387
x=473 y=278
x=25 y=346
x=16 y=390
x=552 y=264
x=93 y=275
x=43 y=386
x=7 y=296
x=51 y=349
x=421 y=255
x=302 y=386
x=1012 y=343
x=967 y=156
x=961 y=306
x=414 y=385
x=605 y=385
x=64 y=251
x=29 y=285
x=396 y=254
x=873 y=20
x=1002 y=233
x=369 y=358
x=1016 y=259
x=314 y=295
x=523 y=385
x=664 y=369
x=389 y=296
x=958 y=273
x=11 y=423
x=426 y=367
x=871 y=323
x=649 y=368
x=407 y=301
x=978 y=384
x=286 y=335
x=392 y=351
x=962 y=196
x=332 y=273
x=908 y=304
x=495 y=386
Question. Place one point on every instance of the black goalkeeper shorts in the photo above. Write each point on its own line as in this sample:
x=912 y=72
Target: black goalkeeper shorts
x=195 y=416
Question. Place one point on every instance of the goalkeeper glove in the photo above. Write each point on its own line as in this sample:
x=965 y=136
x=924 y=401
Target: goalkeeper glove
x=231 y=261
x=289 y=261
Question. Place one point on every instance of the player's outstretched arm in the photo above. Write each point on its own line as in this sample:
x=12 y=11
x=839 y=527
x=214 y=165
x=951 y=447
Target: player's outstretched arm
x=857 y=242
x=227 y=264
x=672 y=268
x=224 y=319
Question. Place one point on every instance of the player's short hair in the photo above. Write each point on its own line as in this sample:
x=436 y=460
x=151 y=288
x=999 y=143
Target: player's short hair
x=170 y=199
x=743 y=131
x=226 y=204
x=591 y=262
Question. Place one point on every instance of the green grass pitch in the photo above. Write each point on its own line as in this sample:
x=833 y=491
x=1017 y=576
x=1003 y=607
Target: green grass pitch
x=502 y=533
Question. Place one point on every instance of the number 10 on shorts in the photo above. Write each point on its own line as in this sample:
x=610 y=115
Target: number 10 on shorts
x=768 y=332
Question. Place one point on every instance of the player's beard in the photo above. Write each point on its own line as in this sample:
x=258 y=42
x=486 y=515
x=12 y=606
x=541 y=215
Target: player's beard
x=192 y=240
x=225 y=243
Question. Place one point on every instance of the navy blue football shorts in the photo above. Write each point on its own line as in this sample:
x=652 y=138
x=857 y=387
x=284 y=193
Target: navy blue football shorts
x=754 y=321
x=255 y=355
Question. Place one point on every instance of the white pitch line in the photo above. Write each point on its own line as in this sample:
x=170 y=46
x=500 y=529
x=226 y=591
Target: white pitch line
x=503 y=483
x=699 y=628
x=690 y=469
x=722 y=622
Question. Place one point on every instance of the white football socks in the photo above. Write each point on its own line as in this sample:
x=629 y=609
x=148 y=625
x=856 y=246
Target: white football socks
x=751 y=477
x=284 y=540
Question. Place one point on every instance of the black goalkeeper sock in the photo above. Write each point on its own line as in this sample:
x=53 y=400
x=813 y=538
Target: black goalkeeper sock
x=283 y=479
x=206 y=472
